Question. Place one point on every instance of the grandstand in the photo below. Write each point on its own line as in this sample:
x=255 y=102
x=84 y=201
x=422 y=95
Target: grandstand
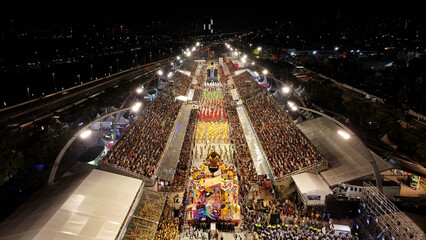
x=208 y=166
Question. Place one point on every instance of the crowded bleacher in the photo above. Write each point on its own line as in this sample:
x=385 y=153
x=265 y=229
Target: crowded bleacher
x=246 y=85
x=144 y=222
x=286 y=148
x=141 y=147
x=182 y=168
x=168 y=228
x=189 y=65
x=179 y=85
x=243 y=157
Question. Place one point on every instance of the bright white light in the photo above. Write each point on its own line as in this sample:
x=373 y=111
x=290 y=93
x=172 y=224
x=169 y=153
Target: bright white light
x=292 y=105
x=344 y=134
x=160 y=72
x=336 y=48
x=286 y=89
x=197 y=44
x=139 y=90
x=178 y=57
x=85 y=134
x=314 y=52
x=182 y=98
x=265 y=71
x=259 y=48
x=136 y=106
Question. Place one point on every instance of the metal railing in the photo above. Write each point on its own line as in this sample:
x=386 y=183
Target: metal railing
x=322 y=163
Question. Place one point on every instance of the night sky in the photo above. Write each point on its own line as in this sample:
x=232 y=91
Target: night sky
x=237 y=14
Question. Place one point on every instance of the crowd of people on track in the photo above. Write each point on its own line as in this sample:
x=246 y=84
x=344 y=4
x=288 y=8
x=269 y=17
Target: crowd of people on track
x=286 y=148
x=288 y=220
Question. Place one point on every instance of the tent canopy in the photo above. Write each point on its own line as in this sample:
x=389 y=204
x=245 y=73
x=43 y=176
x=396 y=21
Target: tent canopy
x=311 y=184
x=346 y=158
x=88 y=205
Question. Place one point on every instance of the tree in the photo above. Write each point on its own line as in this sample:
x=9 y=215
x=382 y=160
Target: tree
x=9 y=158
x=325 y=95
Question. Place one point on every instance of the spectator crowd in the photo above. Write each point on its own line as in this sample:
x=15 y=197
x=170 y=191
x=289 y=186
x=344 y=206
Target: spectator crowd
x=183 y=166
x=246 y=85
x=286 y=148
x=140 y=149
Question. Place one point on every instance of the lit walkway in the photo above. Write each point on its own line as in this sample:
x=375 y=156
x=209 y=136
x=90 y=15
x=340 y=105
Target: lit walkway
x=253 y=145
x=171 y=156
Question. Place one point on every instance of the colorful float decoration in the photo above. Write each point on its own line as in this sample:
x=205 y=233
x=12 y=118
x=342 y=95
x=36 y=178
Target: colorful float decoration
x=213 y=192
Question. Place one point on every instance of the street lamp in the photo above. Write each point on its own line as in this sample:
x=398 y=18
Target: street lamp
x=292 y=105
x=136 y=106
x=91 y=71
x=54 y=81
x=286 y=89
x=28 y=91
x=86 y=134
x=344 y=134
x=139 y=90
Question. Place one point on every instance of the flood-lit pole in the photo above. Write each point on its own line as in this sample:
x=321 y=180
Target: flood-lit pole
x=54 y=81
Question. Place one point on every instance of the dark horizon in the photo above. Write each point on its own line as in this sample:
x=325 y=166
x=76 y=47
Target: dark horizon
x=244 y=17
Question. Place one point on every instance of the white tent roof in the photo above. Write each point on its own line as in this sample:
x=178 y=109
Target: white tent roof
x=346 y=159
x=311 y=184
x=91 y=205
x=123 y=120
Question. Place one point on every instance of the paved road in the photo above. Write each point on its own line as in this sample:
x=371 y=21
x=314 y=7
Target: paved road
x=38 y=109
